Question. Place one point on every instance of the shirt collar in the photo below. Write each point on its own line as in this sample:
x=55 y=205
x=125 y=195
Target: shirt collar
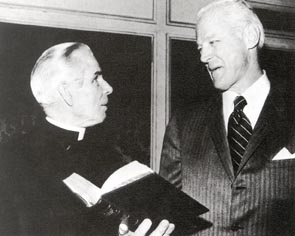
x=79 y=130
x=255 y=96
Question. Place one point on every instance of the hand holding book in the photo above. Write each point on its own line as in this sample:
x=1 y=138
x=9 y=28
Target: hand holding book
x=164 y=228
x=137 y=192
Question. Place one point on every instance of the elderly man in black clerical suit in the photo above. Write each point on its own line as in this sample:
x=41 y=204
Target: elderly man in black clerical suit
x=232 y=150
x=68 y=84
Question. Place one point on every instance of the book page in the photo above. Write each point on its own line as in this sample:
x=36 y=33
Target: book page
x=126 y=174
x=84 y=189
x=90 y=193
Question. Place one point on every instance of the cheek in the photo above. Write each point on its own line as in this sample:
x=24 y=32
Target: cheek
x=87 y=97
x=82 y=103
x=238 y=60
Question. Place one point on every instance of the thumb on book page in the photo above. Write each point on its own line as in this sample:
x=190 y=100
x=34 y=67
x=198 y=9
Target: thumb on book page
x=123 y=230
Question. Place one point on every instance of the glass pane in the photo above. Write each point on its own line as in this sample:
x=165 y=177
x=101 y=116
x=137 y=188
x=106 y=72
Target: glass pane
x=276 y=20
x=189 y=77
x=126 y=65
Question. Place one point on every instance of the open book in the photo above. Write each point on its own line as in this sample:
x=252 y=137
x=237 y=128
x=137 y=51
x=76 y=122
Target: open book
x=137 y=192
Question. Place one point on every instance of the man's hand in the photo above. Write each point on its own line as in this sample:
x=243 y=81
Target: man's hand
x=164 y=229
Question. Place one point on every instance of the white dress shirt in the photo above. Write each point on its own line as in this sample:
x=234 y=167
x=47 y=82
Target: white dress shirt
x=255 y=96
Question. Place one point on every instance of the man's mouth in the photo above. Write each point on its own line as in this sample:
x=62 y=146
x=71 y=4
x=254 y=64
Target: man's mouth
x=104 y=103
x=103 y=106
x=212 y=69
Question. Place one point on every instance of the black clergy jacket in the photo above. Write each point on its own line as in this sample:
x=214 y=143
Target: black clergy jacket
x=35 y=201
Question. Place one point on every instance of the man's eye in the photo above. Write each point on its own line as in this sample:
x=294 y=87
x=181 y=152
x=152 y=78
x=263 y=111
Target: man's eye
x=213 y=42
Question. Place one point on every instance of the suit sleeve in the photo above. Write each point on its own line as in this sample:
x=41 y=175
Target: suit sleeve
x=170 y=166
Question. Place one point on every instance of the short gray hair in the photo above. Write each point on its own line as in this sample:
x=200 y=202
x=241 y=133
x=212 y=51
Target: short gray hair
x=239 y=12
x=43 y=76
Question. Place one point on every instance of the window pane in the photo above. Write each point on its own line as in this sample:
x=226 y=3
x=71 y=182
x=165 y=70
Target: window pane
x=276 y=20
x=189 y=78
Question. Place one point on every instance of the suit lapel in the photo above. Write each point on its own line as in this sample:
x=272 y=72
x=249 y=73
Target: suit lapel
x=272 y=124
x=218 y=133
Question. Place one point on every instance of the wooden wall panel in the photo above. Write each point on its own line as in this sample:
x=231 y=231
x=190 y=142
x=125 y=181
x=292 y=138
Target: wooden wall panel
x=134 y=9
x=183 y=12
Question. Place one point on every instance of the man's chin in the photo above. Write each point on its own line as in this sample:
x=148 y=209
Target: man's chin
x=217 y=83
x=93 y=122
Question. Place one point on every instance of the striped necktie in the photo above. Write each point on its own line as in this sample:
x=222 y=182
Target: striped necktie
x=239 y=132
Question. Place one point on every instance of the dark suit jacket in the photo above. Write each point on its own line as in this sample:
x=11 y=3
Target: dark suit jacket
x=261 y=199
x=34 y=200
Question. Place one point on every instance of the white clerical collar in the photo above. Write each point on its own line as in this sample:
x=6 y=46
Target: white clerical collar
x=255 y=96
x=80 y=130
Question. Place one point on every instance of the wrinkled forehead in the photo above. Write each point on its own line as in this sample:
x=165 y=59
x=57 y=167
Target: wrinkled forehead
x=211 y=25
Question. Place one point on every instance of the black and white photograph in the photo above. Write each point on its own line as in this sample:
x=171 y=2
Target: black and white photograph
x=147 y=118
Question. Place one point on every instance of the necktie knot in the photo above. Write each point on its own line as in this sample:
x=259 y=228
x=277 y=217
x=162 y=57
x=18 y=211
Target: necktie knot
x=240 y=102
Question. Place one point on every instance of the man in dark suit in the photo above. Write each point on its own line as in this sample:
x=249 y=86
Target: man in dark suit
x=68 y=84
x=232 y=151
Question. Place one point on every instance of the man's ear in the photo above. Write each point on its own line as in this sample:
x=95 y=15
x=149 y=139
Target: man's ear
x=66 y=95
x=251 y=36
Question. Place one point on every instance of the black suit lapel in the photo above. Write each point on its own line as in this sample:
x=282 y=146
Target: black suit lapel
x=204 y=121
x=218 y=133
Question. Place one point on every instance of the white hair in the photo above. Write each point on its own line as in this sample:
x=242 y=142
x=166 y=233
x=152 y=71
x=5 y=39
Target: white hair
x=238 y=12
x=44 y=76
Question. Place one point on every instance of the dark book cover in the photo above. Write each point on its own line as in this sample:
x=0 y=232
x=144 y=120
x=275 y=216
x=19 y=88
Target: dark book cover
x=155 y=198
x=135 y=192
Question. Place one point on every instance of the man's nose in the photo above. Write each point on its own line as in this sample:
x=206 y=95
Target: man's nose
x=206 y=54
x=106 y=88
